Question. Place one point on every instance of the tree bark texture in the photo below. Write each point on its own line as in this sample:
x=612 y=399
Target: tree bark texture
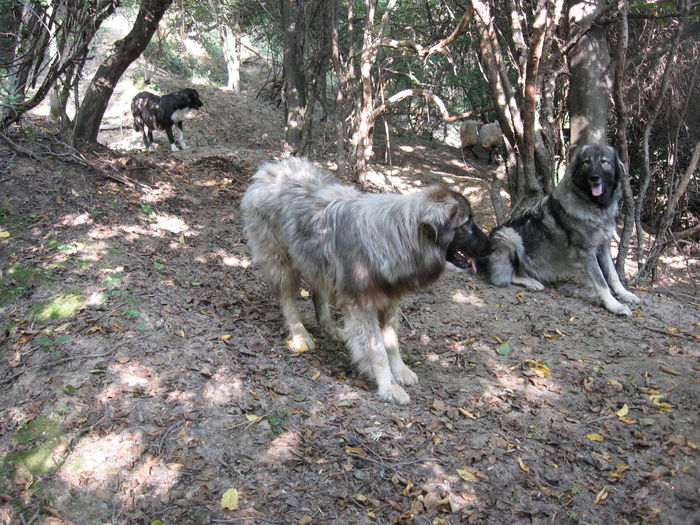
x=590 y=83
x=294 y=81
x=94 y=105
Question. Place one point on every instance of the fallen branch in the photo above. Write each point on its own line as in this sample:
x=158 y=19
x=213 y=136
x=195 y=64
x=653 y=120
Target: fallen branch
x=21 y=150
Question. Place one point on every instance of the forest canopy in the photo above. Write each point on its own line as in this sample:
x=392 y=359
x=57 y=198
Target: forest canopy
x=553 y=74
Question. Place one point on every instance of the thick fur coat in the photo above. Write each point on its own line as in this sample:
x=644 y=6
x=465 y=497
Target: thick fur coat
x=569 y=229
x=358 y=251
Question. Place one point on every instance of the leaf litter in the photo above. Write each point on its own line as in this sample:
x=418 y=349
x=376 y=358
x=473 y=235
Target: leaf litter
x=574 y=415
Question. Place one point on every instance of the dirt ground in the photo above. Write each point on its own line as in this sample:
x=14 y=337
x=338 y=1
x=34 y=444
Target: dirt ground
x=146 y=379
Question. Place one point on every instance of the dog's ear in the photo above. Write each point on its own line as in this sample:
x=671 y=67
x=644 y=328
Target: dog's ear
x=578 y=158
x=429 y=231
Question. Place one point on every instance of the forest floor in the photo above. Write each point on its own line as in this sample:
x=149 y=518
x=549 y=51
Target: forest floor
x=145 y=373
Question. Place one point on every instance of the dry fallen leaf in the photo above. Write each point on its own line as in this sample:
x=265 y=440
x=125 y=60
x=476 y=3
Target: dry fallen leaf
x=522 y=465
x=601 y=495
x=595 y=437
x=656 y=399
x=468 y=476
x=229 y=501
x=623 y=411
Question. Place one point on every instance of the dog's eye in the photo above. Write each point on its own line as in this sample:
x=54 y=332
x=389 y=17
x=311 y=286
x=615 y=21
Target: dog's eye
x=586 y=162
x=604 y=162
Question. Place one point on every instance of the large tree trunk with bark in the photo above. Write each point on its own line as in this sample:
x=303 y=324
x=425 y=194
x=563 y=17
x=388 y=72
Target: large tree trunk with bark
x=294 y=81
x=93 y=107
x=590 y=82
x=231 y=45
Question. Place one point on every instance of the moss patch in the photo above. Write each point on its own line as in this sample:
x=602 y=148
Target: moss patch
x=17 y=279
x=36 y=442
x=60 y=306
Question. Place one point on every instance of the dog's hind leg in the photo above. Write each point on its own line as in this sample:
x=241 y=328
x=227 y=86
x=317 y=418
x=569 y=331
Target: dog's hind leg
x=323 y=314
x=147 y=137
x=285 y=281
x=365 y=340
x=606 y=265
x=390 y=332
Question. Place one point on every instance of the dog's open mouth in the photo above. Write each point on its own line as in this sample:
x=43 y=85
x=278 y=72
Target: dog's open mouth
x=462 y=260
x=597 y=190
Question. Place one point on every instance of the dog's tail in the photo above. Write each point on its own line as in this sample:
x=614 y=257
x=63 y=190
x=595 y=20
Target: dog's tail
x=511 y=253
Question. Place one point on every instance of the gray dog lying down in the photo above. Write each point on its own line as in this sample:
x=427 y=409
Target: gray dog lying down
x=359 y=251
x=570 y=228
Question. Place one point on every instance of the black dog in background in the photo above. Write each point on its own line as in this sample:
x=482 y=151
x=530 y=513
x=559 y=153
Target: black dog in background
x=153 y=112
x=571 y=228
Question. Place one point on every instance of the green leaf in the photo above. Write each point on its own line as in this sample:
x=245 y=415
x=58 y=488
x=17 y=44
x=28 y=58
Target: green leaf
x=504 y=348
x=45 y=341
x=646 y=421
x=62 y=339
x=70 y=389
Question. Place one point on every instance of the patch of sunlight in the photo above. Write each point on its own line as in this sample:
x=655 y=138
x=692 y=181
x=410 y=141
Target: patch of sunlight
x=38 y=442
x=465 y=297
x=194 y=48
x=77 y=219
x=680 y=262
x=170 y=223
x=236 y=260
x=128 y=378
x=96 y=299
x=134 y=233
x=510 y=379
x=160 y=193
x=282 y=448
x=97 y=459
x=223 y=388
x=407 y=149
x=60 y=306
x=347 y=396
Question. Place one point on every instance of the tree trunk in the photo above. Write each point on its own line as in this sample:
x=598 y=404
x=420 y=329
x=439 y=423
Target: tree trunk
x=590 y=84
x=294 y=81
x=621 y=142
x=363 y=136
x=89 y=117
x=231 y=45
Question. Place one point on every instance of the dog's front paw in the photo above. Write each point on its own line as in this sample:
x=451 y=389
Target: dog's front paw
x=617 y=308
x=405 y=376
x=628 y=297
x=531 y=284
x=301 y=342
x=394 y=394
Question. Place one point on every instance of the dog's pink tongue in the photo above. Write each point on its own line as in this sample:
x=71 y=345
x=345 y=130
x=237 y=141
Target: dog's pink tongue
x=597 y=190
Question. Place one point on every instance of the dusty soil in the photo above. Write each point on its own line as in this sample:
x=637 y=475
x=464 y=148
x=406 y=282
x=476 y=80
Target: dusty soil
x=145 y=372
